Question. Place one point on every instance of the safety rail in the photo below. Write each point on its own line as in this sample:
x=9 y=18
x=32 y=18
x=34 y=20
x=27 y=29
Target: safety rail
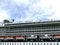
x=34 y=32
x=29 y=43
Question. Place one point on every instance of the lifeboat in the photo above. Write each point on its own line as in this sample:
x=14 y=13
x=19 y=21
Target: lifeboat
x=20 y=37
x=9 y=37
x=1 y=37
x=56 y=36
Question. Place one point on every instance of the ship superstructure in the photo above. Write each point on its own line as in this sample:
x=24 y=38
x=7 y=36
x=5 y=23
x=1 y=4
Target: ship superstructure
x=33 y=31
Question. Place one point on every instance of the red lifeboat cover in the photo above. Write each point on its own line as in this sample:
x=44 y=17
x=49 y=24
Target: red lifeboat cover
x=19 y=37
x=1 y=37
x=9 y=37
x=56 y=35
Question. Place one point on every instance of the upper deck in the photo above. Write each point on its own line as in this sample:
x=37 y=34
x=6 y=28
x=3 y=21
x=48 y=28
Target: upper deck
x=42 y=24
x=47 y=27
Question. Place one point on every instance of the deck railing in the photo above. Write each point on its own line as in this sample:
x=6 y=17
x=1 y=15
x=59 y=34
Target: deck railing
x=29 y=43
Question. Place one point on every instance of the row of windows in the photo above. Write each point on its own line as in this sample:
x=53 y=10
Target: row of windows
x=17 y=28
x=57 y=29
x=28 y=30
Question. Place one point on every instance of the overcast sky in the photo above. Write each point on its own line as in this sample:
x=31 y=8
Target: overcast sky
x=29 y=10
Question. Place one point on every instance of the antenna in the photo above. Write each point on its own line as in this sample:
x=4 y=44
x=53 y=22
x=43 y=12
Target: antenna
x=12 y=20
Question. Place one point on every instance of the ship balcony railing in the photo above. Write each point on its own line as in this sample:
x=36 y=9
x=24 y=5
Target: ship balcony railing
x=37 y=30
x=48 y=32
x=30 y=32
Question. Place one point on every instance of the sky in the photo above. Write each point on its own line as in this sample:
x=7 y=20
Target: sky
x=29 y=10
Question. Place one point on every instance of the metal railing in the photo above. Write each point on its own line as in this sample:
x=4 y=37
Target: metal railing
x=29 y=43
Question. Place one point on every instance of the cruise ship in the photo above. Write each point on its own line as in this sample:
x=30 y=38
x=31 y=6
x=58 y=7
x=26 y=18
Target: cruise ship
x=31 y=31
